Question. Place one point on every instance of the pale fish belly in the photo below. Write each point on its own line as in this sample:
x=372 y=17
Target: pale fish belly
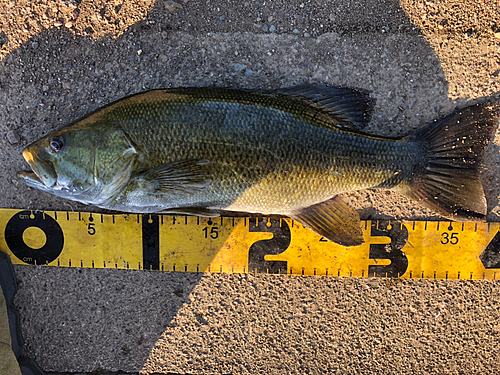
x=282 y=194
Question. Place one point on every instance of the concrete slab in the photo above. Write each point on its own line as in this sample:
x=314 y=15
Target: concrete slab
x=61 y=60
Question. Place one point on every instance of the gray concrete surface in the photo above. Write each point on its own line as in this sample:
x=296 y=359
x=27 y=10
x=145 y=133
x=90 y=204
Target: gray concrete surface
x=62 y=59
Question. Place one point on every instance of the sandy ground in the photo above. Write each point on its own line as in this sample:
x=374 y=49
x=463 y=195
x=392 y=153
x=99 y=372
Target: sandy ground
x=419 y=59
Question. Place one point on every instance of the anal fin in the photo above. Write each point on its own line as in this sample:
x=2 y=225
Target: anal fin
x=333 y=219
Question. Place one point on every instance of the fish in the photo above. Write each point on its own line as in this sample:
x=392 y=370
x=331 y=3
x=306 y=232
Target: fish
x=290 y=152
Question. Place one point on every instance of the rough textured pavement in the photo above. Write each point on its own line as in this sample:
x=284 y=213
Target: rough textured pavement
x=419 y=60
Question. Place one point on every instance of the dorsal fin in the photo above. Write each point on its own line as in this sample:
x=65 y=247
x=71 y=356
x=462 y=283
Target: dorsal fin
x=334 y=108
x=349 y=108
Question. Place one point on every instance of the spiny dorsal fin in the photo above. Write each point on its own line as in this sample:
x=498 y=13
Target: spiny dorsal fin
x=330 y=107
x=333 y=219
x=349 y=108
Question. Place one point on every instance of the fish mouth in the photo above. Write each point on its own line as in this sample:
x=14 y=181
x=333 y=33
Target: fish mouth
x=31 y=179
x=43 y=176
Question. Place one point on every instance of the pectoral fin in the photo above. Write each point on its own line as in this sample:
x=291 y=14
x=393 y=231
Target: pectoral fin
x=333 y=219
x=186 y=176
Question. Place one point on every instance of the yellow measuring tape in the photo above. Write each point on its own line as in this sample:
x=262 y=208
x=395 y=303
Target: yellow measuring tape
x=408 y=249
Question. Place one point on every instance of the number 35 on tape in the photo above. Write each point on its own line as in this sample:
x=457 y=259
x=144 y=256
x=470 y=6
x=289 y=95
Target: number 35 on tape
x=413 y=249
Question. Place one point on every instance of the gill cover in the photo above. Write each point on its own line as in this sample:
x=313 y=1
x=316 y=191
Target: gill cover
x=89 y=165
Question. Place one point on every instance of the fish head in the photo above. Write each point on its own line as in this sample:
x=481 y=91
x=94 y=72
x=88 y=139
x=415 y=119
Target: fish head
x=90 y=165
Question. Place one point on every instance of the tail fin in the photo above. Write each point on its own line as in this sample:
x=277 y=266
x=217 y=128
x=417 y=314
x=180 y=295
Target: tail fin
x=450 y=182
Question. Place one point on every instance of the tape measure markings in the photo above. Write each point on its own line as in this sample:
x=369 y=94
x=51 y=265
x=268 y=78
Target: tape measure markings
x=151 y=242
x=227 y=244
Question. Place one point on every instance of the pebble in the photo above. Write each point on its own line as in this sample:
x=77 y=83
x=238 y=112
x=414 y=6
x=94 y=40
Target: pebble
x=265 y=28
x=295 y=31
x=248 y=72
x=12 y=137
x=222 y=18
x=497 y=35
x=272 y=28
x=69 y=24
x=3 y=38
x=239 y=67
x=171 y=6
x=45 y=88
x=34 y=45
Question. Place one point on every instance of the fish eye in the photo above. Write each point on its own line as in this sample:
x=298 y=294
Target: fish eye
x=56 y=144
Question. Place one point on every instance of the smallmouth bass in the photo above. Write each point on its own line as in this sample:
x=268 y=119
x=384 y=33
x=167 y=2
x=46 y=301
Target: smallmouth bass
x=291 y=152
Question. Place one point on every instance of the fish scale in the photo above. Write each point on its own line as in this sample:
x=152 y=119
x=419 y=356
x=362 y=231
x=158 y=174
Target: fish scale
x=341 y=168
